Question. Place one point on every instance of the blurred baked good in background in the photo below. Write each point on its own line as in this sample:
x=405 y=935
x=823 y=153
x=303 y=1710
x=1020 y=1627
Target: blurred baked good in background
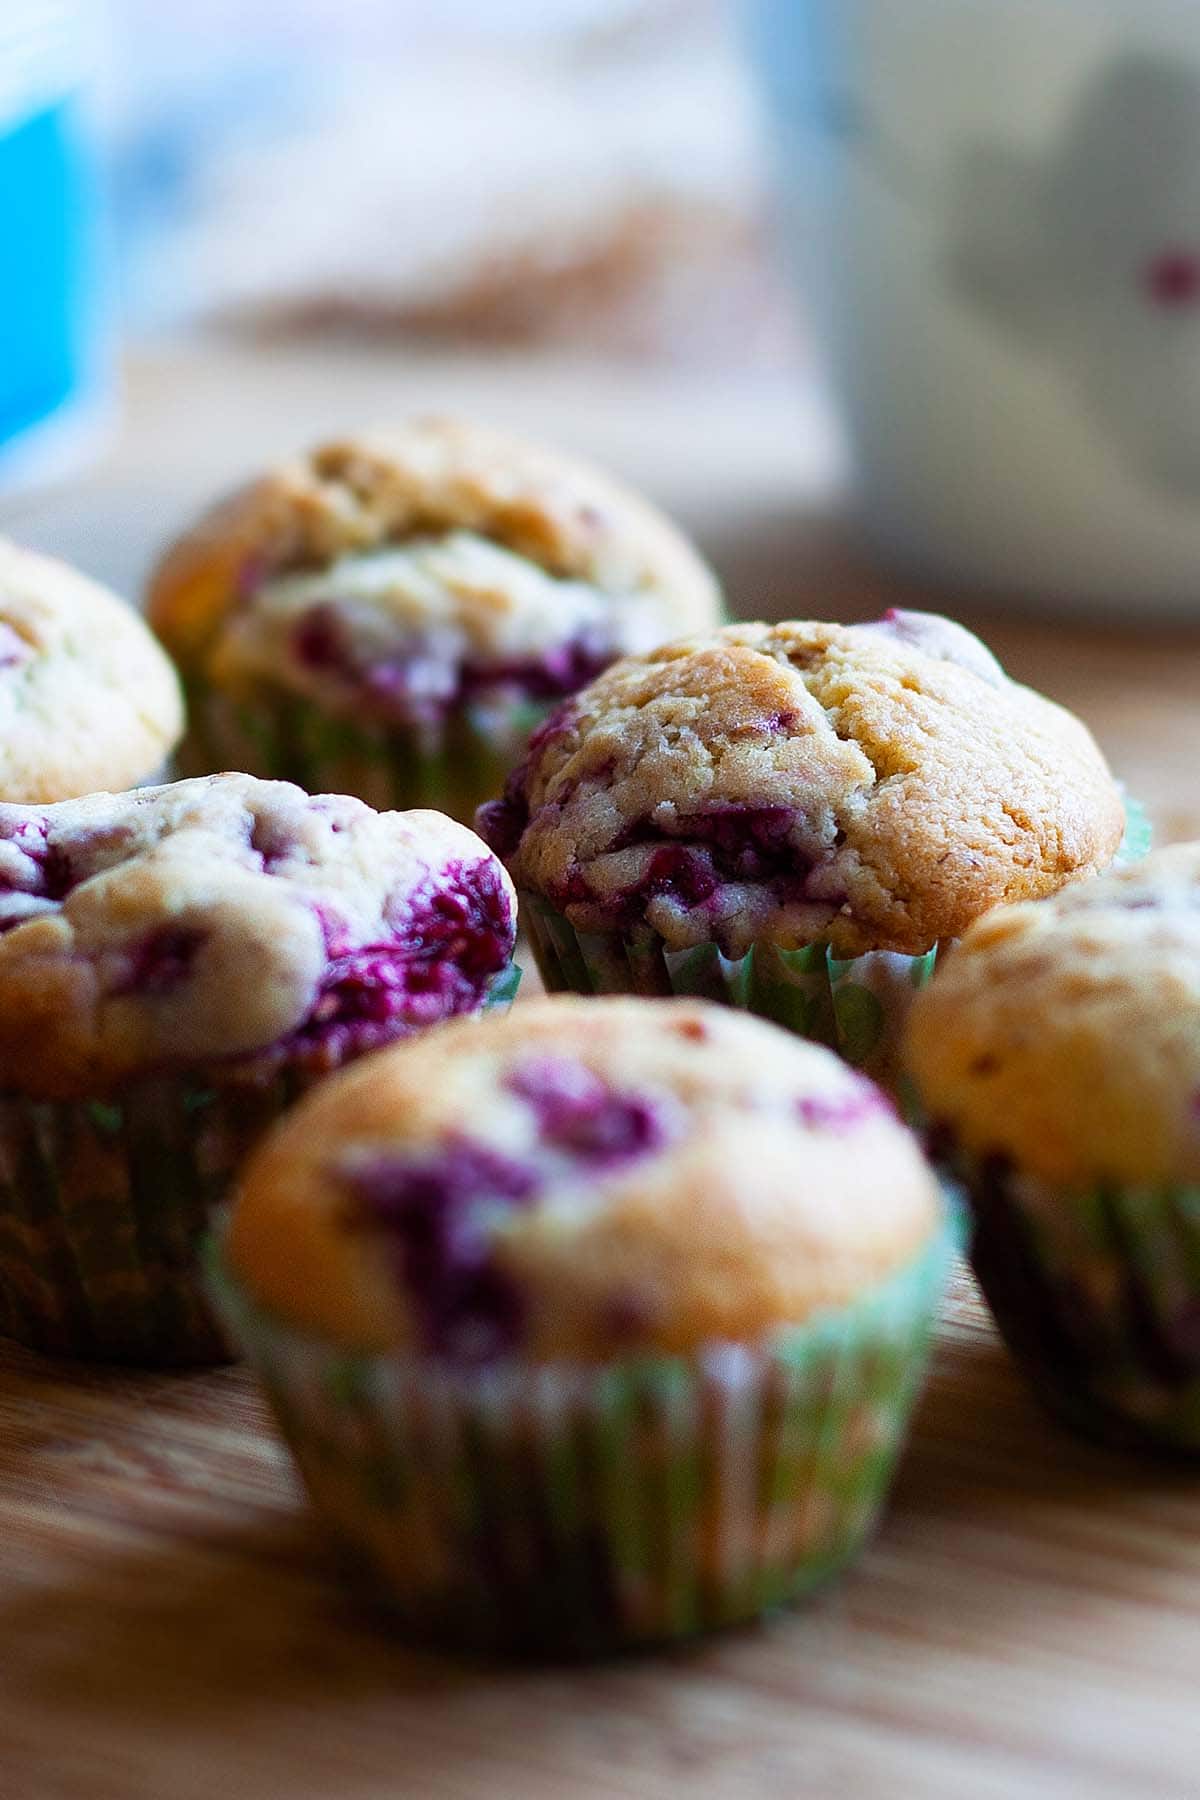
x=619 y=207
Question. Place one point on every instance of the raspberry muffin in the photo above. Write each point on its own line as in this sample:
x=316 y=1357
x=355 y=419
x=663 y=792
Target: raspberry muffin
x=87 y=697
x=175 y=965
x=391 y=615
x=792 y=818
x=593 y=1325
x=1058 y=1054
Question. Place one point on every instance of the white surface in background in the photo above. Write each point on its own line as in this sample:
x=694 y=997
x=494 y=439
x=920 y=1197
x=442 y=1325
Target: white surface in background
x=1049 y=448
x=44 y=49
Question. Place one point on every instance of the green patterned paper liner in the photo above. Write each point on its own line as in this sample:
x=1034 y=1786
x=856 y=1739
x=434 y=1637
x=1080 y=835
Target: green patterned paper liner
x=102 y=1206
x=503 y=989
x=1139 y=833
x=285 y=738
x=578 y=1510
x=1097 y=1293
x=856 y=1005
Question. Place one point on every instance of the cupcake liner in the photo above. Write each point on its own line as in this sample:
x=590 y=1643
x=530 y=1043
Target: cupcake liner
x=855 y=1005
x=102 y=1205
x=1139 y=833
x=1097 y=1294
x=452 y=768
x=503 y=989
x=579 y=1510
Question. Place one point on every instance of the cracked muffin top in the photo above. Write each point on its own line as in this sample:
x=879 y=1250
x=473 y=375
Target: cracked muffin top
x=233 y=927
x=871 y=786
x=87 y=696
x=577 y=1180
x=396 y=575
x=1066 y=1037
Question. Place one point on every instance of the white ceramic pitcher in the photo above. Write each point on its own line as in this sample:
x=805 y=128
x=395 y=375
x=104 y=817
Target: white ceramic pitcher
x=993 y=207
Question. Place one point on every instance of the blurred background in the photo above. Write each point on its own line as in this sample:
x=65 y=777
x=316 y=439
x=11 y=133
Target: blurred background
x=530 y=173
x=851 y=285
x=502 y=172
x=233 y=226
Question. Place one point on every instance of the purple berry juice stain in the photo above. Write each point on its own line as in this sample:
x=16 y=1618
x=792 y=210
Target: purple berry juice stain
x=580 y=1115
x=432 y=1209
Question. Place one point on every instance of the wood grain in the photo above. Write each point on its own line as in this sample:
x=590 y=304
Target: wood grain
x=1027 y=1621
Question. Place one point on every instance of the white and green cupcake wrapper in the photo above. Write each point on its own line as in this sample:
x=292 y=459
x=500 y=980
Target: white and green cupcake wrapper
x=856 y=1005
x=503 y=990
x=103 y=1204
x=102 y=1207
x=280 y=737
x=1097 y=1294
x=1139 y=833
x=578 y=1510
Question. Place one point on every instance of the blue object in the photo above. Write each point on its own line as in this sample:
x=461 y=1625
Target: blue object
x=52 y=317
x=46 y=208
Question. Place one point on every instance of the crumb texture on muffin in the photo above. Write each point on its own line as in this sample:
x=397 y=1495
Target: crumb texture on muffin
x=87 y=697
x=1065 y=1037
x=876 y=786
x=581 y=1179
x=232 y=926
x=404 y=572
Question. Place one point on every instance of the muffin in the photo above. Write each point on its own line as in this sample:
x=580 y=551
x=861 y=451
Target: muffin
x=1058 y=1053
x=87 y=697
x=176 y=964
x=390 y=616
x=791 y=818
x=593 y=1325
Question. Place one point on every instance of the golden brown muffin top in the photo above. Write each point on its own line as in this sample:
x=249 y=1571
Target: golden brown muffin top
x=437 y=539
x=875 y=786
x=87 y=698
x=577 y=1180
x=1066 y=1036
x=227 y=927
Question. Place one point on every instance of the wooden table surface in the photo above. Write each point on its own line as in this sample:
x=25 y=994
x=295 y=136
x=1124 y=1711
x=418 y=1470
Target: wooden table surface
x=1027 y=1621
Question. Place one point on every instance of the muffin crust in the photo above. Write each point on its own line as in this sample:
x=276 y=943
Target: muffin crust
x=1065 y=1037
x=877 y=787
x=87 y=698
x=231 y=926
x=440 y=543
x=580 y=1179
